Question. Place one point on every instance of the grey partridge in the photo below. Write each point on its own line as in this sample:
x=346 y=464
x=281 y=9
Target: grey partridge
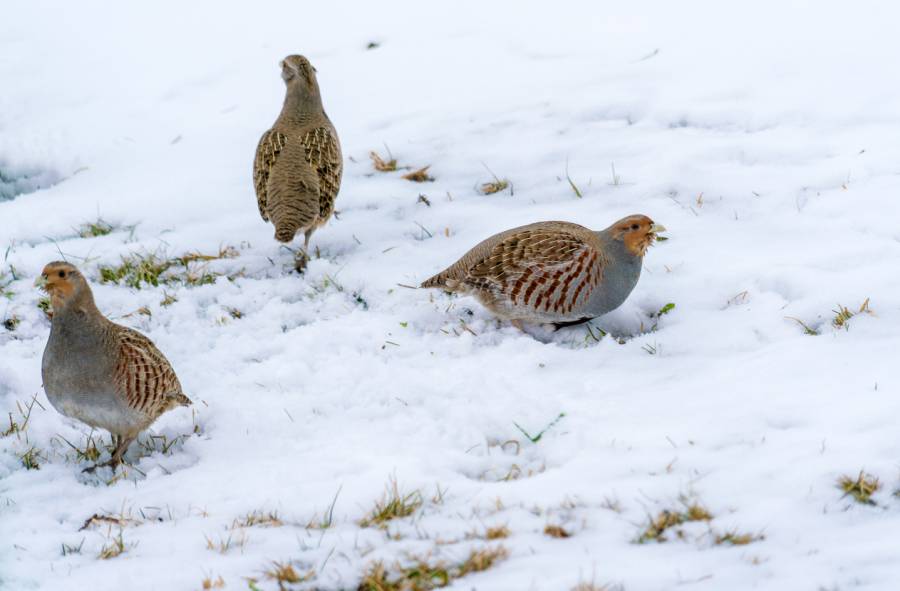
x=553 y=272
x=103 y=374
x=298 y=164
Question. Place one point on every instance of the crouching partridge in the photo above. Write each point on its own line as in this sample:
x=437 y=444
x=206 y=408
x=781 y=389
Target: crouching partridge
x=553 y=272
x=103 y=374
x=298 y=165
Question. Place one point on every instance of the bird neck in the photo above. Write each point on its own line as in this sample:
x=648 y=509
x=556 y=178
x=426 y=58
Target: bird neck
x=300 y=106
x=80 y=305
x=616 y=251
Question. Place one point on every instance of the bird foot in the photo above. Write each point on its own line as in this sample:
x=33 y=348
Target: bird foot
x=112 y=463
x=301 y=258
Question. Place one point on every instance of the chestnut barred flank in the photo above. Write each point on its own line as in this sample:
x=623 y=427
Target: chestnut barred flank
x=298 y=165
x=555 y=272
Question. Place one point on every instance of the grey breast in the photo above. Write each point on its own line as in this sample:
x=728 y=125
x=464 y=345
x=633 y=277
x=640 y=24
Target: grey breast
x=77 y=368
x=619 y=279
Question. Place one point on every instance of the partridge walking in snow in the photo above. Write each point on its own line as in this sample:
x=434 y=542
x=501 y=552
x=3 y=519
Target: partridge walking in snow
x=553 y=272
x=298 y=164
x=103 y=374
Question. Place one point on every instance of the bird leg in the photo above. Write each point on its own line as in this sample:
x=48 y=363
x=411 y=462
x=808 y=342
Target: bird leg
x=120 y=443
x=301 y=258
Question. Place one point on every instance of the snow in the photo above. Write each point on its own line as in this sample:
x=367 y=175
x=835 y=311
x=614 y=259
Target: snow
x=764 y=138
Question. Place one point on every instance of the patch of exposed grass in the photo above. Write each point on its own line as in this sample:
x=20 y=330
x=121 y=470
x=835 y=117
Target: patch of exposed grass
x=658 y=526
x=393 y=505
x=155 y=268
x=498 y=532
x=419 y=175
x=422 y=574
x=860 y=488
x=94 y=229
x=735 y=538
x=258 y=518
x=843 y=314
x=556 y=531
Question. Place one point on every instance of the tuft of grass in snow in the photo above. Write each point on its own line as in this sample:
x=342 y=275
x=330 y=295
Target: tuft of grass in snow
x=843 y=314
x=806 y=328
x=667 y=519
x=733 y=537
x=210 y=583
x=498 y=532
x=94 y=229
x=284 y=574
x=860 y=488
x=258 y=518
x=393 y=505
x=556 y=531
x=381 y=165
x=494 y=186
x=419 y=176
x=68 y=549
x=422 y=574
x=536 y=438
x=29 y=458
x=89 y=453
x=16 y=428
x=155 y=268
x=115 y=547
x=224 y=545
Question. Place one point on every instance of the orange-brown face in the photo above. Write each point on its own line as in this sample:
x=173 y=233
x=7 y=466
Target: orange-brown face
x=638 y=232
x=60 y=280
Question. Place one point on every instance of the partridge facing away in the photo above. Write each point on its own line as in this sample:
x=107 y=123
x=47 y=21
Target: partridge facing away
x=103 y=374
x=553 y=272
x=298 y=165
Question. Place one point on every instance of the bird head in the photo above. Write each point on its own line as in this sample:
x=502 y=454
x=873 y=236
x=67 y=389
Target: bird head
x=638 y=232
x=63 y=282
x=296 y=71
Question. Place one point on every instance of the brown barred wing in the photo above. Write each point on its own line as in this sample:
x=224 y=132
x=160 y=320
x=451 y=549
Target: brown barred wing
x=323 y=152
x=270 y=146
x=546 y=271
x=145 y=377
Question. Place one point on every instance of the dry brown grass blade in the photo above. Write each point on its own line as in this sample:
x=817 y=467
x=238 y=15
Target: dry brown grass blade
x=419 y=176
x=381 y=165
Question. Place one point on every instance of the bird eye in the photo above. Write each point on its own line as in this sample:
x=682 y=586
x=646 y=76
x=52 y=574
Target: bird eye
x=62 y=273
x=634 y=226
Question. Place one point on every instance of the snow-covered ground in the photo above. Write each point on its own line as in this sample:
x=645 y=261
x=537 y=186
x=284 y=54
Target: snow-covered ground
x=764 y=136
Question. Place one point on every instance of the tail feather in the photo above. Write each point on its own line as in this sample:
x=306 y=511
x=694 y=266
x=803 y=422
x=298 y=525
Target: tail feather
x=179 y=399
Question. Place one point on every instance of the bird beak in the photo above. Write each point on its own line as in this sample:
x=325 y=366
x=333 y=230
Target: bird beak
x=656 y=228
x=41 y=282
